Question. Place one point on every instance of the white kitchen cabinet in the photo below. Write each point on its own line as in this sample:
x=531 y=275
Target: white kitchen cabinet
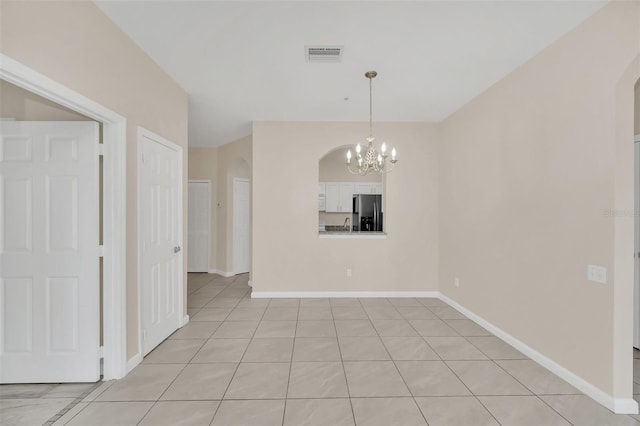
x=364 y=188
x=368 y=188
x=322 y=199
x=338 y=197
x=332 y=197
x=346 y=197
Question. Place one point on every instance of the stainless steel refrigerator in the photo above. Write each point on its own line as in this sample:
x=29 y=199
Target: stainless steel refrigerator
x=367 y=213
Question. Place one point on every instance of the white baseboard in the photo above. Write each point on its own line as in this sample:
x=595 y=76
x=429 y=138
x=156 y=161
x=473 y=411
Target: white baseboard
x=334 y=294
x=617 y=405
x=223 y=273
x=185 y=321
x=624 y=406
x=133 y=362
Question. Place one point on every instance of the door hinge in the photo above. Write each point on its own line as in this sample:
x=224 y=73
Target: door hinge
x=100 y=251
x=101 y=149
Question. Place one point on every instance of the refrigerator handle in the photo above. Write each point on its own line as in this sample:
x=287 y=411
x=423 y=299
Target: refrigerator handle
x=375 y=217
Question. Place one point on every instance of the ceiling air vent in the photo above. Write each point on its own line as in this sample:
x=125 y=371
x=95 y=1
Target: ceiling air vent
x=323 y=53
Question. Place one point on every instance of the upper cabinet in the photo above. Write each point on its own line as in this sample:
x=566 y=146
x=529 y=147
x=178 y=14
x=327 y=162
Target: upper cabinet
x=339 y=197
x=368 y=188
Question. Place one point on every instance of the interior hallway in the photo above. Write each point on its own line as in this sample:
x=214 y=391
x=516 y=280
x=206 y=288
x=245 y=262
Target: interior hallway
x=318 y=362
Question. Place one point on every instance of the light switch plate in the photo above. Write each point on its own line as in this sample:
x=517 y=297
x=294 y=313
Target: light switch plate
x=597 y=274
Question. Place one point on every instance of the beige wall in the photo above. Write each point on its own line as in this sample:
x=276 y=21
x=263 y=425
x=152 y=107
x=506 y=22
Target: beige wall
x=287 y=253
x=76 y=45
x=20 y=104
x=529 y=170
x=221 y=165
x=333 y=169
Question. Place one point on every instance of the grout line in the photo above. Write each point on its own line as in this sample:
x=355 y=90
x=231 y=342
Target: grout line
x=344 y=370
x=78 y=399
x=531 y=390
x=293 y=348
x=238 y=366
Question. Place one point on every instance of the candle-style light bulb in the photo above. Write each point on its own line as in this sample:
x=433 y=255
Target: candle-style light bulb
x=383 y=148
x=379 y=159
x=349 y=157
x=393 y=154
x=358 y=149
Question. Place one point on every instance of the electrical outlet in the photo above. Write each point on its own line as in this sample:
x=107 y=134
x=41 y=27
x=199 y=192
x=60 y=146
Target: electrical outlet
x=348 y=272
x=456 y=282
x=597 y=274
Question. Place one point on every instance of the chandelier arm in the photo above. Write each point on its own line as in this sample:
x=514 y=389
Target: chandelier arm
x=356 y=172
x=388 y=170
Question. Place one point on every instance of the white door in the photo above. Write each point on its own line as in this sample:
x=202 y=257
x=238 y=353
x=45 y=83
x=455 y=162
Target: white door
x=160 y=226
x=241 y=242
x=199 y=211
x=49 y=236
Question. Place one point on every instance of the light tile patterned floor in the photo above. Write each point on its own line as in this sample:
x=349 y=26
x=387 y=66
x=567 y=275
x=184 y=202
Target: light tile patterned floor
x=320 y=362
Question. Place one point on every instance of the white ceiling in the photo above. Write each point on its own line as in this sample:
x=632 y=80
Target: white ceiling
x=242 y=61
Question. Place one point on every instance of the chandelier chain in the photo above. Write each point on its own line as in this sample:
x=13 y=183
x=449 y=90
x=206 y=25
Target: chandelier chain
x=370 y=107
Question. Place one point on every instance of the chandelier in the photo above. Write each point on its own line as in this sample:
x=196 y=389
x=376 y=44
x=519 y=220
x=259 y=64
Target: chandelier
x=371 y=160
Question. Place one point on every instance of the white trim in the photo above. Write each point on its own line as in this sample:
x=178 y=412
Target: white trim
x=134 y=362
x=353 y=235
x=324 y=294
x=636 y=241
x=624 y=406
x=114 y=135
x=142 y=132
x=222 y=273
x=185 y=321
x=208 y=182
x=617 y=405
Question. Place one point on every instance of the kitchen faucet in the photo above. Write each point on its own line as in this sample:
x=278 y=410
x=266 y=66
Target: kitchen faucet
x=347 y=224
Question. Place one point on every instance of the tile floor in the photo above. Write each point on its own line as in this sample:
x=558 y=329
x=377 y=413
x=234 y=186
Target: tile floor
x=242 y=361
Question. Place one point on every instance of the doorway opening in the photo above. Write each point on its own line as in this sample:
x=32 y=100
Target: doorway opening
x=112 y=209
x=199 y=226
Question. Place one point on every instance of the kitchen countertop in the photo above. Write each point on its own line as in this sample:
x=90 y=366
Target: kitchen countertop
x=353 y=234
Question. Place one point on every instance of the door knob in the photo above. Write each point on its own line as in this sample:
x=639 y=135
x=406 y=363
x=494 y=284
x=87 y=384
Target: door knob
x=176 y=249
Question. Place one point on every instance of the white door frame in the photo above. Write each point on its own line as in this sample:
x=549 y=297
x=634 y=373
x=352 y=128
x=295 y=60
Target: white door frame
x=114 y=135
x=636 y=237
x=233 y=226
x=208 y=182
x=183 y=319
